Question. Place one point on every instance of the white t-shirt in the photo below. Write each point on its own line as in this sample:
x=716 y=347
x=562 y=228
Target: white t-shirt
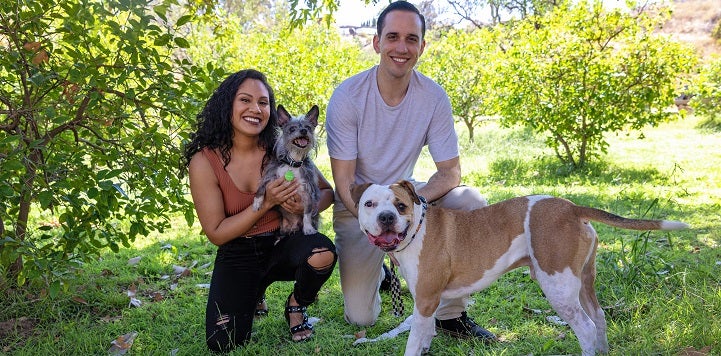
x=386 y=141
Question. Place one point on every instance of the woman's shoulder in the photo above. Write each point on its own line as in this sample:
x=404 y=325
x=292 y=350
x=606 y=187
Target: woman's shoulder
x=201 y=160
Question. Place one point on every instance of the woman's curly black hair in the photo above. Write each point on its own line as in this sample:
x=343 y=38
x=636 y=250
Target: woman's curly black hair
x=214 y=127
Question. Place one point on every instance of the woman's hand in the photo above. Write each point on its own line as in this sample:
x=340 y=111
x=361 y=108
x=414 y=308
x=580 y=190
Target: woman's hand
x=279 y=191
x=294 y=204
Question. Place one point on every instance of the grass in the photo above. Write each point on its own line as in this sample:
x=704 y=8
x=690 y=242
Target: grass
x=661 y=291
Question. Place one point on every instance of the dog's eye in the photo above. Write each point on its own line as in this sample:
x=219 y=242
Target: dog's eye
x=401 y=207
x=368 y=204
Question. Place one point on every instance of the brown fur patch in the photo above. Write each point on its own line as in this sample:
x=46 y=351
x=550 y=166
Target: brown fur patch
x=560 y=238
x=460 y=246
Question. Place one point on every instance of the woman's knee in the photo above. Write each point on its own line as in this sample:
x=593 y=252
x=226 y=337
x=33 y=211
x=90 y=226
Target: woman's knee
x=322 y=259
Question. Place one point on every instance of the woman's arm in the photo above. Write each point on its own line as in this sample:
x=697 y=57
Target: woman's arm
x=208 y=200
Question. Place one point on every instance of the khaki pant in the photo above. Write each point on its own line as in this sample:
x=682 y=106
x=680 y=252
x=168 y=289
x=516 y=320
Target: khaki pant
x=360 y=262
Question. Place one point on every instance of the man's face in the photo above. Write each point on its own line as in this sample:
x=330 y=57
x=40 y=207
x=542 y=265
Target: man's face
x=401 y=43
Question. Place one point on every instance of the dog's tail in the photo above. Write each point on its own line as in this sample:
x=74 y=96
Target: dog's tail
x=626 y=223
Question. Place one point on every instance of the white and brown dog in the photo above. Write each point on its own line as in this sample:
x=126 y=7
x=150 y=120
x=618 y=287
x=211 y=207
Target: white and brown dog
x=451 y=253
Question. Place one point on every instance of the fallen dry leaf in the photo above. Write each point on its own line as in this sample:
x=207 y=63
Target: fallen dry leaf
x=132 y=290
x=122 y=344
x=179 y=270
x=134 y=261
x=555 y=319
x=80 y=300
x=360 y=334
x=157 y=296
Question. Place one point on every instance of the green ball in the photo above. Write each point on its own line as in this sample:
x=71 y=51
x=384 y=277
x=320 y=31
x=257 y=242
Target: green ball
x=289 y=175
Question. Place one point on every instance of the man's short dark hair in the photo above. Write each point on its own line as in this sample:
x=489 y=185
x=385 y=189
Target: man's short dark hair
x=401 y=6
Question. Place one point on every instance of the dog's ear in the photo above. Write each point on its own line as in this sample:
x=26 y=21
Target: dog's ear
x=356 y=191
x=283 y=115
x=312 y=115
x=411 y=189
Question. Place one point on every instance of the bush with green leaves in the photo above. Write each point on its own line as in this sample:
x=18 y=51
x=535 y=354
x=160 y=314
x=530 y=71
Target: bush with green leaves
x=464 y=63
x=706 y=101
x=93 y=95
x=303 y=64
x=583 y=72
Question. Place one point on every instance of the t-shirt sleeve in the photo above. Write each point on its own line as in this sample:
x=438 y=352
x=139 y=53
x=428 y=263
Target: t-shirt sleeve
x=442 y=137
x=341 y=127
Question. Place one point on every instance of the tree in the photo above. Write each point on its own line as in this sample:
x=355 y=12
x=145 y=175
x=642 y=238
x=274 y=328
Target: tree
x=582 y=72
x=92 y=98
x=464 y=63
x=500 y=11
x=95 y=101
x=303 y=65
x=706 y=101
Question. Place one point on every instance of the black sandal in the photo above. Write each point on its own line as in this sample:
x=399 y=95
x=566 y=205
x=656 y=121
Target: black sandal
x=261 y=309
x=304 y=326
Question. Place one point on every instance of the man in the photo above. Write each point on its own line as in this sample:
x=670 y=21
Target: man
x=377 y=123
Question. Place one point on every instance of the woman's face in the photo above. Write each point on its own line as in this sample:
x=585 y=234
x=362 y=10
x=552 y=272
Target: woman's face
x=251 y=108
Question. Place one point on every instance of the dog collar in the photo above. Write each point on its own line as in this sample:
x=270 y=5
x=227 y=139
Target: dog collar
x=291 y=162
x=420 y=222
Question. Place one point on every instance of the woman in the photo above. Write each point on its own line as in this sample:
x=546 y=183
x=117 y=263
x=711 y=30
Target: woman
x=225 y=157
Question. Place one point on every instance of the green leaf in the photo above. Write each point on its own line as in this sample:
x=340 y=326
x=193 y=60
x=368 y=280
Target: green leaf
x=54 y=289
x=181 y=42
x=183 y=20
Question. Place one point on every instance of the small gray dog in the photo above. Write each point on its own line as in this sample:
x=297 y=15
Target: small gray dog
x=291 y=160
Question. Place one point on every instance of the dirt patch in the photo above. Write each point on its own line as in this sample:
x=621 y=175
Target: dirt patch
x=14 y=332
x=693 y=21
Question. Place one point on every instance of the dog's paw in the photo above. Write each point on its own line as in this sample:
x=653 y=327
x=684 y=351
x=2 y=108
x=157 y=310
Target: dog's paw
x=257 y=203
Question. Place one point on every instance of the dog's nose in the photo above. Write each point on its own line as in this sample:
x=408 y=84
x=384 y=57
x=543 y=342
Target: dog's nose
x=387 y=218
x=303 y=132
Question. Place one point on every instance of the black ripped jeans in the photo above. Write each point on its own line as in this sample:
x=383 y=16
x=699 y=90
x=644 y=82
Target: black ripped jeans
x=244 y=268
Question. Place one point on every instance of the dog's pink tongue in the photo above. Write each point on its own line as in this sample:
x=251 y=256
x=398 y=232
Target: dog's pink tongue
x=385 y=239
x=301 y=142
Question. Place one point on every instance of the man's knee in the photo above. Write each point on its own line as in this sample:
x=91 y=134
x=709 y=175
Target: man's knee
x=463 y=198
x=361 y=319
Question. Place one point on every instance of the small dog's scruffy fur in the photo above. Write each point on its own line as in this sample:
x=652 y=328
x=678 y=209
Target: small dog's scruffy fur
x=292 y=153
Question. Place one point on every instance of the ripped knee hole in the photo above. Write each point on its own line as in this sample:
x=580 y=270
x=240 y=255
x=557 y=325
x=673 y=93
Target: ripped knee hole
x=321 y=259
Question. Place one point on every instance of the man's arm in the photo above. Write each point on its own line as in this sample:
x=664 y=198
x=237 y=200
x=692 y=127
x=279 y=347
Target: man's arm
x=447 y=177
x=343 y=177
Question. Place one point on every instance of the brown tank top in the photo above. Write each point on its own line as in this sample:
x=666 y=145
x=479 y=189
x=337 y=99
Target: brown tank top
x=235 y=201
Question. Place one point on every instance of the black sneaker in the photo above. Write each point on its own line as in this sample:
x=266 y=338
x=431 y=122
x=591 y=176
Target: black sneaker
x=464 y=327
x=388 y=277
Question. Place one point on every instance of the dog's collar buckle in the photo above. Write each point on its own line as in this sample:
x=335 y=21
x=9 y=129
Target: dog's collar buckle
x=291 y=162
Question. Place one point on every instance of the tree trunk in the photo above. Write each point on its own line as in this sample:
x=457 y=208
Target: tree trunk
x=26 y=199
